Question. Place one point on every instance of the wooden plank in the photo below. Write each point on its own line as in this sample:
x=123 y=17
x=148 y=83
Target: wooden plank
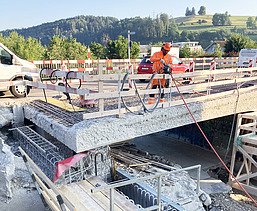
x=253 y=129
x=119 y=200
x=250 y=140
x=252 y=115
x=38 y=171
x=49 y=192
x=50 y=202
x=99 y=197
x=250 y=189
x=243 y=177
x=248 y=156
x=250 y=150
x=251 y=124
x=100 y=89
x=81 y=201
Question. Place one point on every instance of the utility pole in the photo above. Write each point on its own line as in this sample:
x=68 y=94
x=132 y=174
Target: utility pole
x=129 y=43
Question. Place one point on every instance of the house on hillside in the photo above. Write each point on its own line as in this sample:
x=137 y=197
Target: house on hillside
x=211 y=48
x=194 y=46
x=144 y=50
x=150 y=50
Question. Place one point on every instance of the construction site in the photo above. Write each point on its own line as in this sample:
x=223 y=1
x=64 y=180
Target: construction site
x=87 y=140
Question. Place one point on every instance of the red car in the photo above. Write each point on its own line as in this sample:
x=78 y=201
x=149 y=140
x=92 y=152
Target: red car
x=145 y=66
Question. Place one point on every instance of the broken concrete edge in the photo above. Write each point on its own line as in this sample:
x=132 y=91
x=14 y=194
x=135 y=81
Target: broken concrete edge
x=93 y=133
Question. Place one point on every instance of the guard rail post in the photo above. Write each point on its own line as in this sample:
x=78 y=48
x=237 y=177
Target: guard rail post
x=211 y=76
x=191 y=69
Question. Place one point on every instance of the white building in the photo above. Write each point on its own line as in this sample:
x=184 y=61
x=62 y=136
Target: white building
x=194 y=46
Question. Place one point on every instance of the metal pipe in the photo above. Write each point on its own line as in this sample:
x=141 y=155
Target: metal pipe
x=102 y=159
x=198 y=179
x=111 y=200
x=159 y=193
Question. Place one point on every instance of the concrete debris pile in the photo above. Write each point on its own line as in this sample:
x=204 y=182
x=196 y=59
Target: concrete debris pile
x=6 y=116
x=178 y=187
x=7 y=169
x=13 y=173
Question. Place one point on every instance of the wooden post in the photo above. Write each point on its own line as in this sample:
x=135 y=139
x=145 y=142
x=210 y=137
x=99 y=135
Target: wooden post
x=119 y=87
x=100 y=88
x=239 y=121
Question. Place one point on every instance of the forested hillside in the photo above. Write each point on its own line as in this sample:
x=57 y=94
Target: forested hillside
x=87 y=29
x=148 y=30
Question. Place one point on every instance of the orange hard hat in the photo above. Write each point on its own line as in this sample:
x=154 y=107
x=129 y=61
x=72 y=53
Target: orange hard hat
x=166 y=46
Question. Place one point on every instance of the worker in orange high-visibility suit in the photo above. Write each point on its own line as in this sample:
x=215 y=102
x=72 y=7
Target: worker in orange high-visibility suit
x=160 y=59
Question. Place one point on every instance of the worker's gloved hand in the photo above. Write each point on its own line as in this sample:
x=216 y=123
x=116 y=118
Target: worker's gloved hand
x=162 y=61
x=167 y=69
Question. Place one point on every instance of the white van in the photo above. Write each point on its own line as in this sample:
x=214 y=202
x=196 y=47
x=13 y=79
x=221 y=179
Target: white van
x=13 y=68
x=245 y=55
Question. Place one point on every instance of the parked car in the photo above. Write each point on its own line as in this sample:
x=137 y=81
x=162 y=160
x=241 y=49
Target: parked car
x=146 y=66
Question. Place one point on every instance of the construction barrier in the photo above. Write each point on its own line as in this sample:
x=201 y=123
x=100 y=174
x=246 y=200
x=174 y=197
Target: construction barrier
x=114 y=65
x=212 y=68
x=250 y=64
x=191 y=66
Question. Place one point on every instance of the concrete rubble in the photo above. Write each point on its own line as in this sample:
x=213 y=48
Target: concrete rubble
x=6 y=116
x=177 y=187
x=7 y=170
x=13 y=172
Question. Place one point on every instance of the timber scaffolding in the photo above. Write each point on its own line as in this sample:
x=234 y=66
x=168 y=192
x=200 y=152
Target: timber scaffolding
x=117 y=94
x=245 y=153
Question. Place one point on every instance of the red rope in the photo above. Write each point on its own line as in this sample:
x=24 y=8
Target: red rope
x=208 y=141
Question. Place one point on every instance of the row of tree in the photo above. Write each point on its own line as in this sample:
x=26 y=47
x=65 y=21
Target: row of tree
x=67 y=48
x=202 y=11
x=89 y=29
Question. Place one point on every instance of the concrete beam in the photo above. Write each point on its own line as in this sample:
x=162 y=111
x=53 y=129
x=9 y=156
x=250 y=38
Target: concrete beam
x=93 y=133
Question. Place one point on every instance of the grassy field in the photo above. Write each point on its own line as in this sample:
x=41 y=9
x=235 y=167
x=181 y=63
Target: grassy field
x=190 y=23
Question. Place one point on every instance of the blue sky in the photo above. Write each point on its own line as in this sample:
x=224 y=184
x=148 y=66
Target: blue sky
x=27 y=13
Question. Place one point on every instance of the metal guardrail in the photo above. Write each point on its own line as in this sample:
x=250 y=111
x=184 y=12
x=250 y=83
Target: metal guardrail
x=158 y=206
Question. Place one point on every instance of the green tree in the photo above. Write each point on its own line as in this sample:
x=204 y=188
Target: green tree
x=16 y=43
x=135 y=50
x=74 y=49
x=202 y=10
x=251 y=23
x=218 y=51
x=29 y=49
x=118 y=49
x=188 y=12
x=193 y=11
x=64 y=48
x=221 y=19
x=98 y=50
x=185 y=52
x=56 y=48
x=34 y=50
x=237 y=42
